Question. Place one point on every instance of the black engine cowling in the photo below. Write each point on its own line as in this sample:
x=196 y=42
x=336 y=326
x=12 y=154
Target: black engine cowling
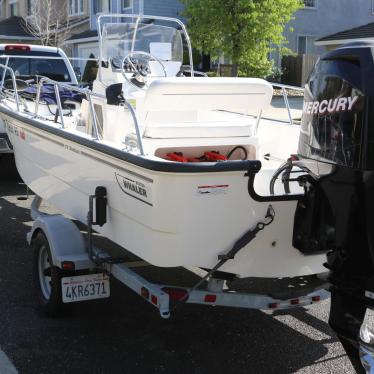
x=337 y=146
x=336 y=214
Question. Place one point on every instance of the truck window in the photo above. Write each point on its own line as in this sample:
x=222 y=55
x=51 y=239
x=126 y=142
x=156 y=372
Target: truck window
x=26 y=67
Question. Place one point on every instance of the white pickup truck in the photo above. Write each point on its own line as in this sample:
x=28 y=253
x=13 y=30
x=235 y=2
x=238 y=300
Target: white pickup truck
x=50 y=62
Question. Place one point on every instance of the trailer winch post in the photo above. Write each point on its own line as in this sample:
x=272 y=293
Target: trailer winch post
x=100 y=197
x=89 y=228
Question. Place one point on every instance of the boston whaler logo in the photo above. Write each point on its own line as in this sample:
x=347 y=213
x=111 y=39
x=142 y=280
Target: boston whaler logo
x=341 y=104
x=133 y=186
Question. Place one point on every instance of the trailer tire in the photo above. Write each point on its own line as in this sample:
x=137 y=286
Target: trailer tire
x=47 y=279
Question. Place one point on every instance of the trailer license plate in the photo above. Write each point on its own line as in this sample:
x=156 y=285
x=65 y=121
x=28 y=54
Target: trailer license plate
x=85 y=287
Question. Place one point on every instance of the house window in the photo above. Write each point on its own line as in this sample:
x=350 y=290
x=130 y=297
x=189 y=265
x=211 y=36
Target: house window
x=75 y=7
x=305 y=44
x=100 y=6
x=127 y=6
x=310 y=4
x=13 y=7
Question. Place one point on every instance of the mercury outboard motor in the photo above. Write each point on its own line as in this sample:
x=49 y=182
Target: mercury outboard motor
x=336 y=214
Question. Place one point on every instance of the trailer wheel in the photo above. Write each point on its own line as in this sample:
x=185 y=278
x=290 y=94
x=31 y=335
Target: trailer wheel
x=47 y=279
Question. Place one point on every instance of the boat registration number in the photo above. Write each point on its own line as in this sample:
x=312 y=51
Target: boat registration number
x=85 y=287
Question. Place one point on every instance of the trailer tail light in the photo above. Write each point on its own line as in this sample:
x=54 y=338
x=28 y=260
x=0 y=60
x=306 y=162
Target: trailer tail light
x=67 y=265
x=17 y=47
x=210 y=298
x=315 y=299
x=154 y=300
x=273 y=305
x=177 y=294
x=295 y=302
x=144 y=292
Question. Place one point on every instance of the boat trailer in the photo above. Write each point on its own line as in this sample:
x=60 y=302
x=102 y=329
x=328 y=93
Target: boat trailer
x=83 y=272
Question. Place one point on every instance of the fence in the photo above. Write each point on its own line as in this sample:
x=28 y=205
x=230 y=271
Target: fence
x=296 y=69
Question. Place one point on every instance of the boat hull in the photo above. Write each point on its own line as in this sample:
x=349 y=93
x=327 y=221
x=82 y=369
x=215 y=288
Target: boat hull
x=168 y=219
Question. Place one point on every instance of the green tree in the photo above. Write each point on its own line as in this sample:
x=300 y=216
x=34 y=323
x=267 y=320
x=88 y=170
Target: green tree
x=244 y=30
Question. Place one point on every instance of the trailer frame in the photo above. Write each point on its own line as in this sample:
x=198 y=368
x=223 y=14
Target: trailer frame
x=69 y=250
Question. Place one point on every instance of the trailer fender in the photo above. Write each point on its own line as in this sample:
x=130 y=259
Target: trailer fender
x=65 y=240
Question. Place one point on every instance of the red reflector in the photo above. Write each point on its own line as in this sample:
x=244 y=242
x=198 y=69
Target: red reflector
x=295 y=302
x=17 y=47
x=273 y=305
x=316 y=298
x=178 y=294
x=144 y=292
x=154 y=299
x=68 y=265
x=210 y=298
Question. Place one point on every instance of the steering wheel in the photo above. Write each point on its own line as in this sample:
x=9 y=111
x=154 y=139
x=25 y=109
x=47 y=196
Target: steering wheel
x=139 y=78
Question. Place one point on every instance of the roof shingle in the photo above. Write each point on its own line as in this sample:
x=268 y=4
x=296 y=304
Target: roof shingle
x=361 y=32
x=84 y=35
x=14 y=26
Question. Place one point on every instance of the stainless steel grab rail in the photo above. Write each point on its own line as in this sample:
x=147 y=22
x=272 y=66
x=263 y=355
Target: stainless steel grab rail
x=56 y=86
x=89 y=95
x=137 y=127
x=285 y=87
x=4 y=72
x=16 y=97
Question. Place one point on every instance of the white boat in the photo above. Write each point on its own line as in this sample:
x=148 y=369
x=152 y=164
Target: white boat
x=140 y=117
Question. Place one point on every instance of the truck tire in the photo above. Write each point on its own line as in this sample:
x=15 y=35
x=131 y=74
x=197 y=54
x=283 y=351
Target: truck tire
x=47 y=279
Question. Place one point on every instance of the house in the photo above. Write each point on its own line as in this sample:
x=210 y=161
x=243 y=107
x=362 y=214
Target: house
x=324 y=17
x=12 y=22
x=14 y=15
x=317 y=19
x=14 y=30
x=84 y=44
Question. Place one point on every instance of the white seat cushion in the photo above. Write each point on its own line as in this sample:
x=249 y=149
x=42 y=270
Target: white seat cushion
x=239 y=125
x=230 y=94
x=202 y=107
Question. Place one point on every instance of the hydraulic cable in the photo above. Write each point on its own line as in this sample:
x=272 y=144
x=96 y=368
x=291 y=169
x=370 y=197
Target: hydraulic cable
x=236 y=148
